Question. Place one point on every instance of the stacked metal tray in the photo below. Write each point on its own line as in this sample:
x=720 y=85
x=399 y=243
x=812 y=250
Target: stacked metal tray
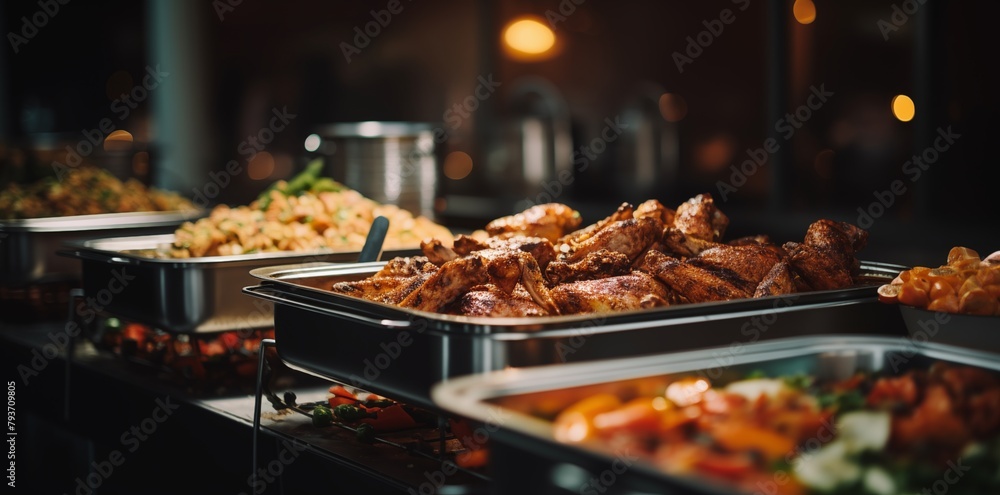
x=124 y=276
x=35 y=280
x=526 y=458
x=403 y=353
x=28 y=248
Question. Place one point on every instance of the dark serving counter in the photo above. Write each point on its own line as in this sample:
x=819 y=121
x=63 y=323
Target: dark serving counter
x=106 y=426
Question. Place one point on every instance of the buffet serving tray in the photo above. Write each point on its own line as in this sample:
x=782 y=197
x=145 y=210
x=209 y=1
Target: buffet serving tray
x=28 y=248
x=525 y=456
x=402 y=352
x=122 y=276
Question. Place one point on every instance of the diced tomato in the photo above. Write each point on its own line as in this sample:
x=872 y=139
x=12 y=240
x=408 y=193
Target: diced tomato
x=341 y=391
x=472 y=458
x=732 y=466
x=391 y=418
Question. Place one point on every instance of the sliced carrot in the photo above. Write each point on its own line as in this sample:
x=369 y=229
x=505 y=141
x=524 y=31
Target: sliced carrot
x=340 y=391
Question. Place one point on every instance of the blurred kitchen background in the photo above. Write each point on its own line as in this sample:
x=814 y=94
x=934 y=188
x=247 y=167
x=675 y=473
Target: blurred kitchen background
x=584 y=102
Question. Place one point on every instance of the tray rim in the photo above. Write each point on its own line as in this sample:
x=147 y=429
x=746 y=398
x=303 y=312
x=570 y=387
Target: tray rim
x=467 y=396
x=87 y=249
x=530 y=327
x=100 y=221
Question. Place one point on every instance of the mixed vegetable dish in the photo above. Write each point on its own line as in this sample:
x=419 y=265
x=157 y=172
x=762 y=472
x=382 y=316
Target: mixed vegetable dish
x=873 y=434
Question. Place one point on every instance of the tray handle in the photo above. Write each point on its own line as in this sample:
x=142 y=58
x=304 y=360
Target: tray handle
x=274 y=295
x=86 y=255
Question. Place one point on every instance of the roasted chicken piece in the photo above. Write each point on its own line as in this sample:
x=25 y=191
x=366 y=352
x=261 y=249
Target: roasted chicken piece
x=550 y=221
x=636 y=290
x=699 y=218
x=599 y=264
x=720 y=273
x=390 y=285
x=694 y=284
x=826 y=258
x=780 y=280
x=538 y=247
x=501 y=267
x=490 y=301
x=569 y=241
x=631 y=237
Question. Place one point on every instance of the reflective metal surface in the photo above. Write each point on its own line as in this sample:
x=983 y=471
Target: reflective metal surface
x=123 y=277
x=525 y=456
x=28 y=247
x=402 y=353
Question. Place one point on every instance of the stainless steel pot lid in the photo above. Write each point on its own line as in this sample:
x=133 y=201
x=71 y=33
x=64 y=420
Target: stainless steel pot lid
x=374 y=129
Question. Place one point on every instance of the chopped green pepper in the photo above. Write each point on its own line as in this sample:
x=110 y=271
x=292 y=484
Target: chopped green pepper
x=365 y=433
x=322 y=416
x=351 y=412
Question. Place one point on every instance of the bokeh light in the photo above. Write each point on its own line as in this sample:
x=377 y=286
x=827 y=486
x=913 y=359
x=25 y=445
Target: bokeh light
x=457 y=165
x=528 y=38
x=903 y=108
x=804 y=11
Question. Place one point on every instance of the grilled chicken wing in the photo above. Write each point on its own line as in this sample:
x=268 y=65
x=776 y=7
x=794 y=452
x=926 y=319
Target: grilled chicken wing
x=826 y=257
x=397 y=279
x=550 y=220
x=695 y=284
x=630 y=237
x=599 y=264
x=490 y=301
x=699 y=218
x=538 y=247
x=501 y=267
x=636 y=290
x=778 y=281
x=569 y=241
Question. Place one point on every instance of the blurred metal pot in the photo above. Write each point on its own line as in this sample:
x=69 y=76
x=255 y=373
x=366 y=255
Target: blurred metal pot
x=389 y=162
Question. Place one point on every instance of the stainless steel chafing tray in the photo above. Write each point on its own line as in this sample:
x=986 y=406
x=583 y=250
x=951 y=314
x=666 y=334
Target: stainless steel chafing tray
x=123 y=276
x=402 y=353
x=526 y=458
x=28 y=247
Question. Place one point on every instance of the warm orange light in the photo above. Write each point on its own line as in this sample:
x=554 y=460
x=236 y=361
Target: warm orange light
x=903 y=108
x=804 y=11
x=261 y=166
x=673 y=108
x=457 y=165
x=528 y=37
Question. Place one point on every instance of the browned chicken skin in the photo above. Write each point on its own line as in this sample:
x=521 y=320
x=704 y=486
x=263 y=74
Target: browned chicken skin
x=490 y=301
x=599 y=264
x=636 y=290
x=534 y=263
x=550 y=220
x=826 y=258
